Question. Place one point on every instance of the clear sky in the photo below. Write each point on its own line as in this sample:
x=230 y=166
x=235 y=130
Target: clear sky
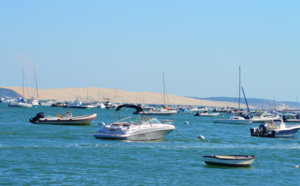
x=199 y=45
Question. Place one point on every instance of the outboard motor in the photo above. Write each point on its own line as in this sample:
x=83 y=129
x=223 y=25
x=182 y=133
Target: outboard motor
x=37 y=117
x=262 y=129
x=284 y=118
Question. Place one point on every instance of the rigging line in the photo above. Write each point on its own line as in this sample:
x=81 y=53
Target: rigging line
x=181 y=133
x=26 y=85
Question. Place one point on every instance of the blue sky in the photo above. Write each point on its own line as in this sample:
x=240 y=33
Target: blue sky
x=127 y=45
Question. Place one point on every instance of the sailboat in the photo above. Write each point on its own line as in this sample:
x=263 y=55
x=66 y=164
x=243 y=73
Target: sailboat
x=163 y=111
x=237 y=119
x=21 y=102
x=35 y=100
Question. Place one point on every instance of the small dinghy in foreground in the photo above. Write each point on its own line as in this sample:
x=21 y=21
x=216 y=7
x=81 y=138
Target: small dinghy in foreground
x=230 y=160
x=68 y=119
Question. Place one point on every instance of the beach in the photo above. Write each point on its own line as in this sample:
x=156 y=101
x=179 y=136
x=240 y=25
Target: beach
x=117 y=95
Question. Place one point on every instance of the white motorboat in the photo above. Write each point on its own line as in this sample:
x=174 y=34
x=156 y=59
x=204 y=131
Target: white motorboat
x=234 y=120
x=47 y=102
x=275 y=129
x=222 y=109
x=8 y=99
x=207 y=114
x=101 y=105
x=68 y=119
x=230 y=160
x=295 y=118
x=186 y=110
x=136 y=128
x=264 y=117
x=160 y=112
x=34 y=101
x=20 y=103
x=77 y=104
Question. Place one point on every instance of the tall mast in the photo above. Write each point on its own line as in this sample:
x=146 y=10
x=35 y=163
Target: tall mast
x=164 y=93
x=87 y=94
x=23 y=80
x=274 y=102
x=239 y=88
x=36 y=87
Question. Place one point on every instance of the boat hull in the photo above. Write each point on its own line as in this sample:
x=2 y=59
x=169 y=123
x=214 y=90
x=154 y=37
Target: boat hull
x=283 y=133
x=208 y=115
x=76 y=107
x=238 y=122
x=166 y=113
x=141 y=135
x=231 y=160
x=19 y=104
x=78 y=120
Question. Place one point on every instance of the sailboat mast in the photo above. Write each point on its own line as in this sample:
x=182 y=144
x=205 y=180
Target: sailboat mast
x=36 y=87
x=239 y=88
x=164 y=93
x=23 y=80
x=87 y=94
x=274 y=103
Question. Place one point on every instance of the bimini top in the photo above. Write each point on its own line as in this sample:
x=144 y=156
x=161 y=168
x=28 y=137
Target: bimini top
x=139 y=109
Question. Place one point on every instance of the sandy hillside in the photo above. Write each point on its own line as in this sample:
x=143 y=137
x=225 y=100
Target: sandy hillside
x=115 y=95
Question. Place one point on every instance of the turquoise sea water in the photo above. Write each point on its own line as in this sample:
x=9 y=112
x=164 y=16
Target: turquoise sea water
x=69 y=155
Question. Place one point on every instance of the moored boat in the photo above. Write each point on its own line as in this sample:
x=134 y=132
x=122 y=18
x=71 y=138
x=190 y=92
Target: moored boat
x=68 y=119
x=234 y=120
x=230 y=160
x=136 y=128
x=264 y=117
x=20 y=103
x=159 y=111
x=295 y=118
x=275 y=129
x=206 y=113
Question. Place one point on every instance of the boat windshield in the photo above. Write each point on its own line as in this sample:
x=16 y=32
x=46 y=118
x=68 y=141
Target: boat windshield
x=137 y=120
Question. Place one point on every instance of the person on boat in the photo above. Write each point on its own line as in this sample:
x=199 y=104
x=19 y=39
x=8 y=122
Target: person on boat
x=68 y=113
x=197 y=114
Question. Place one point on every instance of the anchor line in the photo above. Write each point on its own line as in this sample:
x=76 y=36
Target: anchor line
x=181 y=133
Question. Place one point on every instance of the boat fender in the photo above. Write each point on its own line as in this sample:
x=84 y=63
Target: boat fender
x=200 y=137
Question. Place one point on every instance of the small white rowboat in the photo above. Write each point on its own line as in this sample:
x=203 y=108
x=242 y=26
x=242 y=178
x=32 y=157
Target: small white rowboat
x=230 y=160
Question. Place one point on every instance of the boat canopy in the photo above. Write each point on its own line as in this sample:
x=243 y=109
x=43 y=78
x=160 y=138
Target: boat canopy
x=139 y=109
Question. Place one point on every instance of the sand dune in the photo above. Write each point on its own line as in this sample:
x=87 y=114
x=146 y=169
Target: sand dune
x=116 y=95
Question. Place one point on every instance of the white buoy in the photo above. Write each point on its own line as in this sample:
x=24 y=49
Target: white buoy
x=186 y=122
x=102 y=123
x=201 y=137
x=296 y=166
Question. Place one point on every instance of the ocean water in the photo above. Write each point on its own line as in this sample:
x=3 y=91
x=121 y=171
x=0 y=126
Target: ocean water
x=69 y=155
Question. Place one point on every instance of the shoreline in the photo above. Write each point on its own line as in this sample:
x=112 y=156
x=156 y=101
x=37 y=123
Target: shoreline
x=119 y=96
